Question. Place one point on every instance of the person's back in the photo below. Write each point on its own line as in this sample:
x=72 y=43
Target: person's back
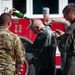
x=10 y=48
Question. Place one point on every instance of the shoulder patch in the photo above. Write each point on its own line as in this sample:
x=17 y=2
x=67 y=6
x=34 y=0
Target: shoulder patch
x=68 y=32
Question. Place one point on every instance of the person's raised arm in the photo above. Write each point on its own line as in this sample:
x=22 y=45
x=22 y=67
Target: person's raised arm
x=60 y=20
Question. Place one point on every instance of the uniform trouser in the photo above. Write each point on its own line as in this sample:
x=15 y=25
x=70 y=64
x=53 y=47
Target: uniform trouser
x=42 y=68
x=63 y=60
x=7 y=72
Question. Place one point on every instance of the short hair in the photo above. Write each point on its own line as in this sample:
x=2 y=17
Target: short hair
x=69 y=8
x=5 y=18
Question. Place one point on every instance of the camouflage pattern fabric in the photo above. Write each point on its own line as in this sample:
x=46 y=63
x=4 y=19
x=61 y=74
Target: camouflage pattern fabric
x=10 y=47
x=7 y=72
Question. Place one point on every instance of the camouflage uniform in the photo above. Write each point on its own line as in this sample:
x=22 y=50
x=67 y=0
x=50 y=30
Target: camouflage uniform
x=10 y=48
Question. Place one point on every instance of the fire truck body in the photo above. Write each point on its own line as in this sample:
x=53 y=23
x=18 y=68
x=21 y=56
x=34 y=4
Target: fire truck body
x=33 y=9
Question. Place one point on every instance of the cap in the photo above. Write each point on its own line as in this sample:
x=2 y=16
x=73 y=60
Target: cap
x=45 y=10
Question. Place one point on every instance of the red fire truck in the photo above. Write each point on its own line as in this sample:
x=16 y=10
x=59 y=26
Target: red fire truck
x=33 y=9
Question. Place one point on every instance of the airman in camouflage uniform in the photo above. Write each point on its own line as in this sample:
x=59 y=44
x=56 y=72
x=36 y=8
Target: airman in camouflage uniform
x=10 y=47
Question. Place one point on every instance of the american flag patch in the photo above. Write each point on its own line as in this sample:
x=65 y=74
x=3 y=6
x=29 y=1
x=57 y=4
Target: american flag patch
x=68 y=31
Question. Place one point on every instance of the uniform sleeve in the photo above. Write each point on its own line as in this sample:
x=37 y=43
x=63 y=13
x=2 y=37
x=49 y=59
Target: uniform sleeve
x=19 y=52
x=39 y=43
x=69 y=41
x=64 y=39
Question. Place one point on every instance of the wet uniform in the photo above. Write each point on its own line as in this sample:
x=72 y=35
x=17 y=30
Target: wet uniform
x=44 y=49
